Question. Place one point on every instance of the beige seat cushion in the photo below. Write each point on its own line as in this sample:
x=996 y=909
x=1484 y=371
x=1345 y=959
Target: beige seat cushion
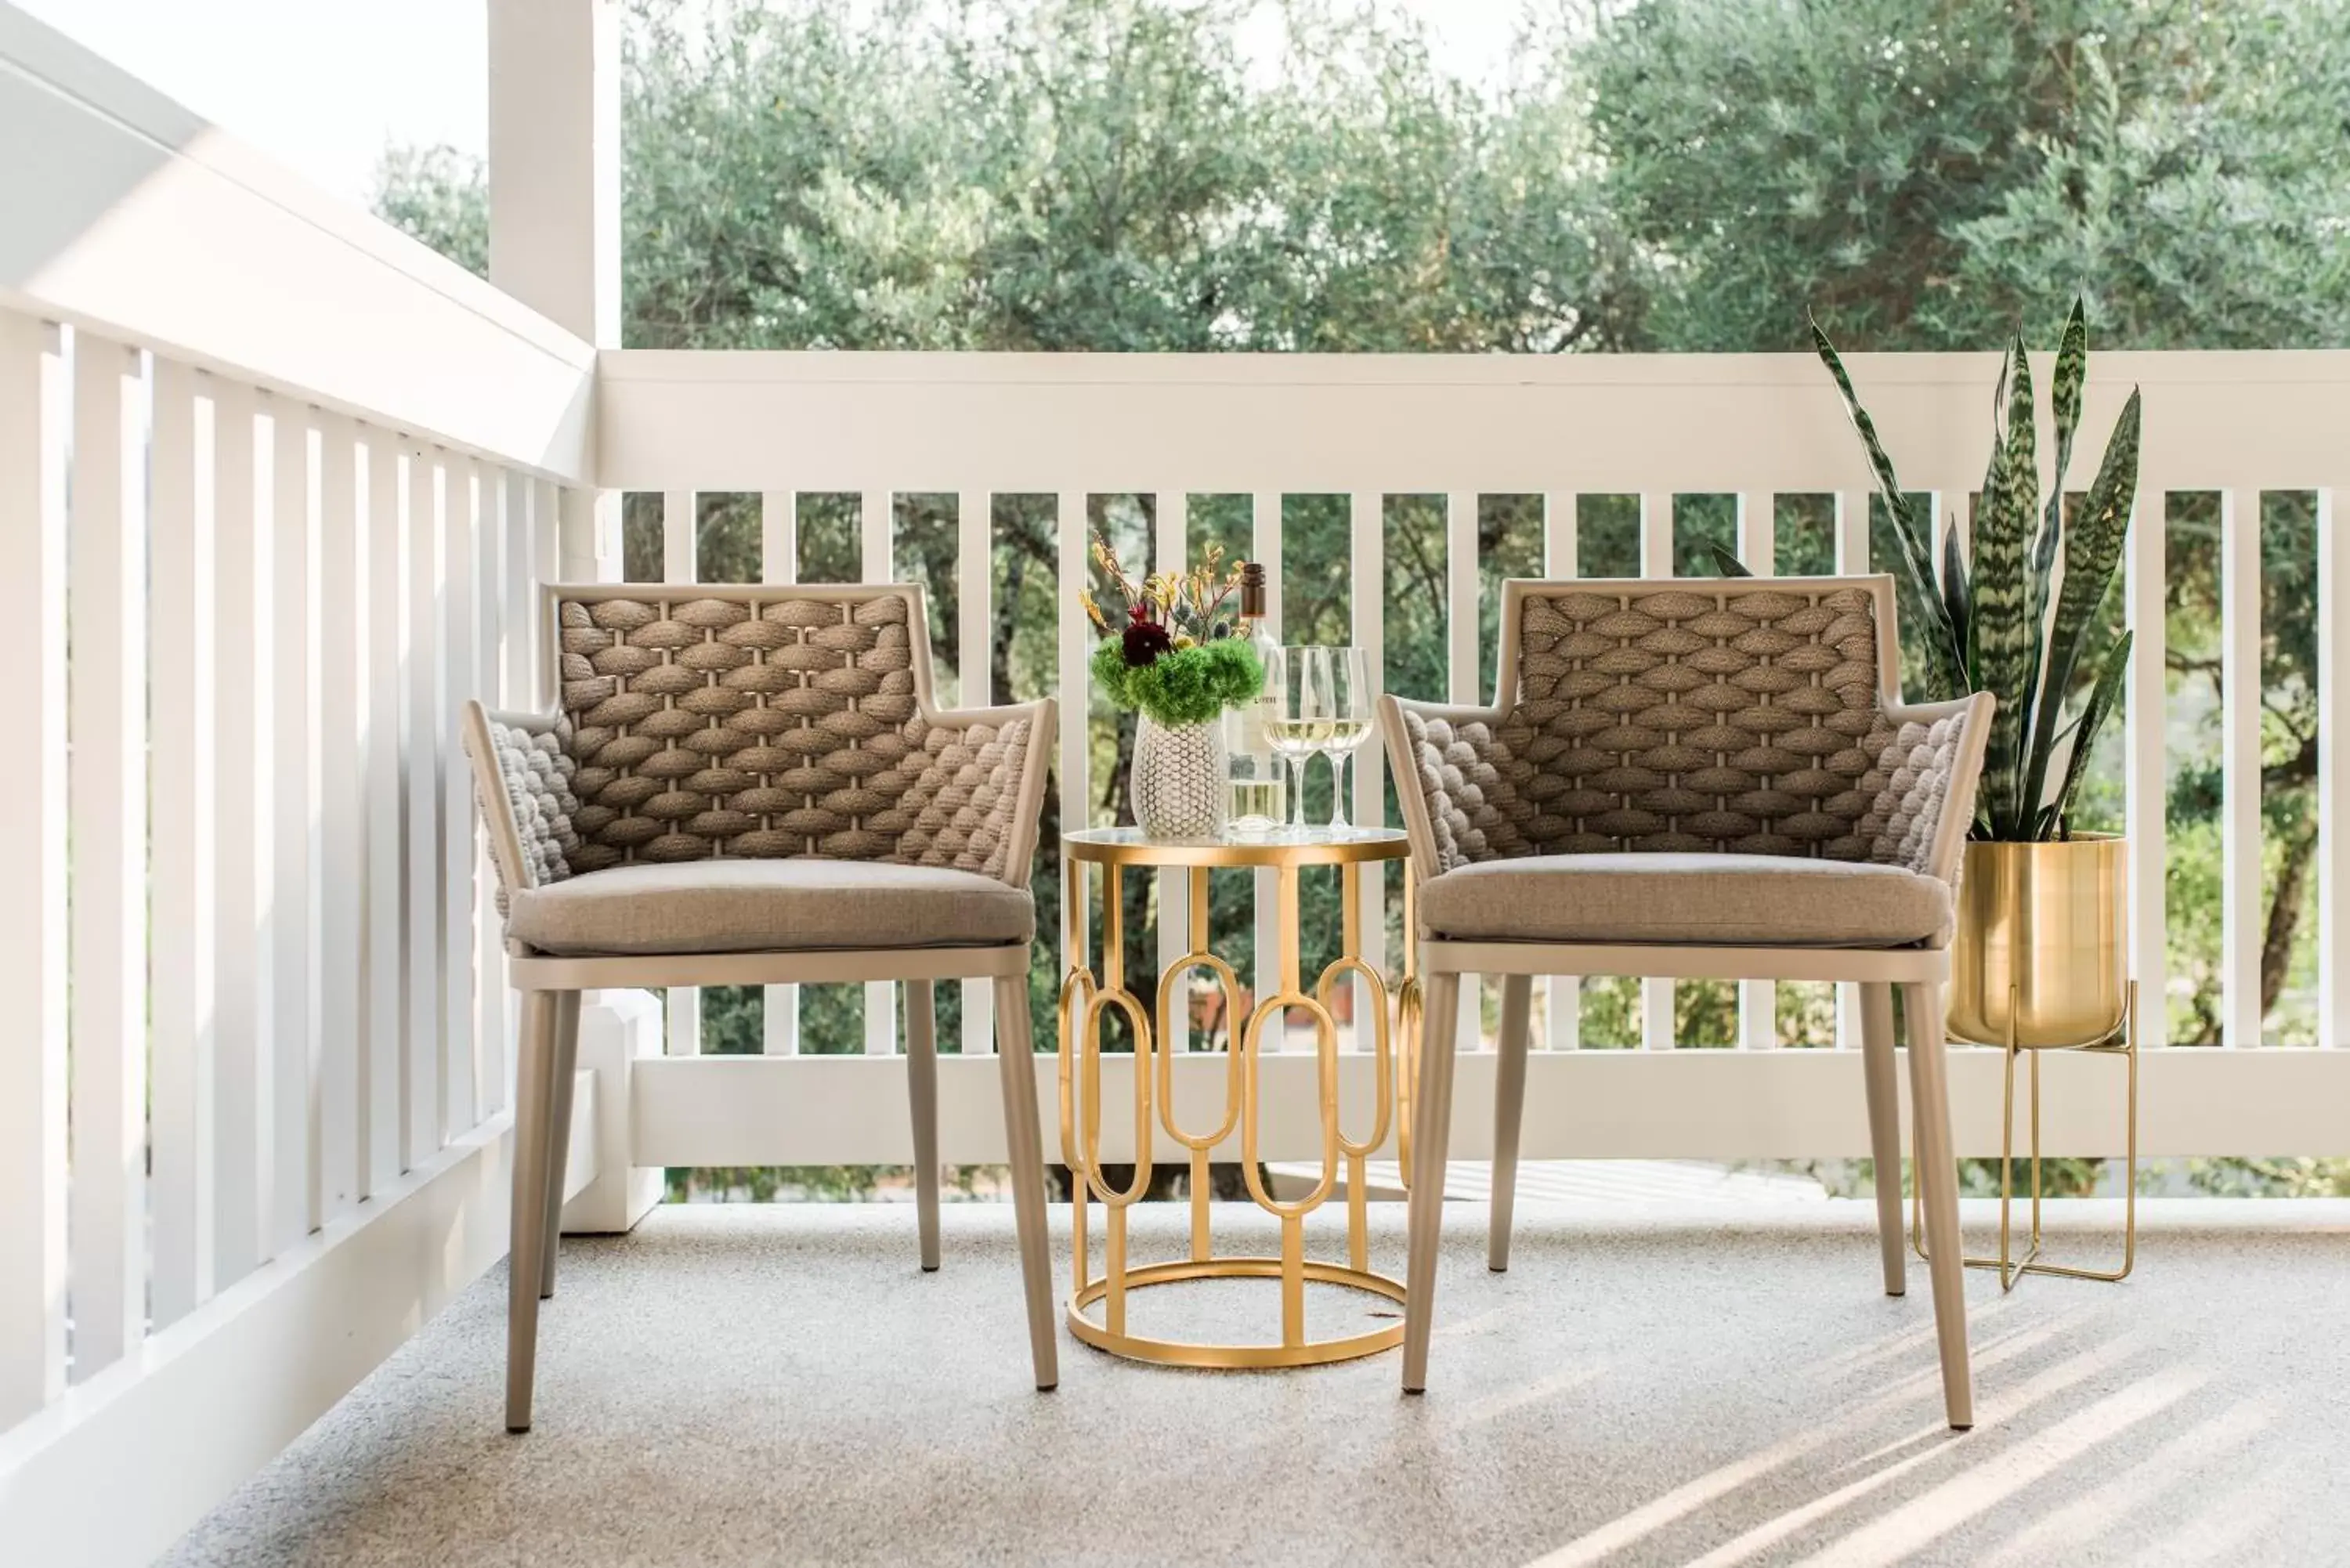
x=1701 y=899
x=769 y=905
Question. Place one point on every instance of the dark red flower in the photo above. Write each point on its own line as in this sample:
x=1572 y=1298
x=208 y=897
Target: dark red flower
x=1145 y=639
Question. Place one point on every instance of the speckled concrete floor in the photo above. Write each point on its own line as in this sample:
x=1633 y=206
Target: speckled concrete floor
x=737 y=1385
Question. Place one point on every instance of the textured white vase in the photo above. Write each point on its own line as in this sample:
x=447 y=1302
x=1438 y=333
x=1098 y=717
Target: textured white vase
x=1178 y=783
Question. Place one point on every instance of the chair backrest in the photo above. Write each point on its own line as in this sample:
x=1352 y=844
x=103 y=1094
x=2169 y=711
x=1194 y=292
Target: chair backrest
x=771 y=721
x=1728 y=714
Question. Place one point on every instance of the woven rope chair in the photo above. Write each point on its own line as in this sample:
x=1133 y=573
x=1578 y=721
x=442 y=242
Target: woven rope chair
x=750 y=786
x=1700 y=779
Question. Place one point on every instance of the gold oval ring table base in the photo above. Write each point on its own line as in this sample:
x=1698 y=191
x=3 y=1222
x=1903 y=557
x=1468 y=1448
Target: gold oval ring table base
x=1164 y=1030
x=1189 y=1353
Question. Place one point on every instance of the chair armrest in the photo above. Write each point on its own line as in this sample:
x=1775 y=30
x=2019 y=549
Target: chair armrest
x=1458 y=783
x=521 y=781
x=977 y=801
x=1926 y=806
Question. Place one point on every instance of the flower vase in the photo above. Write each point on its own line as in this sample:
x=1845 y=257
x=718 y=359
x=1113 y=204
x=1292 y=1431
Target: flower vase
x=1178 y=782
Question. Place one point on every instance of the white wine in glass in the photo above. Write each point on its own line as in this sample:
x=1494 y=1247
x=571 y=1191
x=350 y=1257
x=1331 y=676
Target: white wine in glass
x=1351 y=696
x=1299 y=721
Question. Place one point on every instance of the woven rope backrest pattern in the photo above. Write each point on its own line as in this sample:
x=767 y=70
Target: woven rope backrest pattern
x=1735 y=717
x=764 y=727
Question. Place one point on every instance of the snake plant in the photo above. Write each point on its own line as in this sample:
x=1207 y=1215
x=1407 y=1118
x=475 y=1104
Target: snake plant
x=1990 y=629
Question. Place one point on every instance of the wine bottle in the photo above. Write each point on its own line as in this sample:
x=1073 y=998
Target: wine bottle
x=1257 y=787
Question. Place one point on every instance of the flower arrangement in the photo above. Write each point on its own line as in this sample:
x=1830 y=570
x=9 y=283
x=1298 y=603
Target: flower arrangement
x=1168 y=650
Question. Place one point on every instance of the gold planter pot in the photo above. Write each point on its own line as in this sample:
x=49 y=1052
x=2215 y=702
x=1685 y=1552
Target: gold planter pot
x=2040 y=959
x=2041 y=962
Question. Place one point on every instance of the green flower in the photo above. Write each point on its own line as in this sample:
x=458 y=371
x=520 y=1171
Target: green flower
x=1188 y=686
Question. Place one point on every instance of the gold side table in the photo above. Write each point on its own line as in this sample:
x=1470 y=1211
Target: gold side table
x=1086 y=997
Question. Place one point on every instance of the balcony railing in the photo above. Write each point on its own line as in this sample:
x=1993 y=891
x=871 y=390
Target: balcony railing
x=278 y=490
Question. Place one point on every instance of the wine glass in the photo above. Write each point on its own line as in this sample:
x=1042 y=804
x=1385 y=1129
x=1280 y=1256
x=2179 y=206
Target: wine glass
x=1351 y=696
x=1298 y=723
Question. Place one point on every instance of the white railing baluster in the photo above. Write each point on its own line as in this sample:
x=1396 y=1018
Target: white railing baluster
x=243 y=870
x=1656 y=1031
x=975 y=663
x=2146 y=742
x=779 y=562
x=382 y=1056
x=1851 y=560
x=546 y=568
x=875 y=565
x=342 y=825
x=1758 y=548
x=33 y=414
x=1073 y=682
x=460 y=680
x=1264 y=546
x=182 y=1050
x=494 y=1005
x=1172 y=514
x=1367 y=629
x=2242 y=908
x=421 y=790
x=681 y=563
x=1562 y=1012
x=108 y=781
x=296 y=1018
x=1461 y=676
x=2332 y=776
x=518 y=655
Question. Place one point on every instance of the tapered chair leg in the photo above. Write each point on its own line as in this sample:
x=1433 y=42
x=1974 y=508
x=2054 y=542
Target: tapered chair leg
x=1938 y=1182
x=1509 y=1108
x=923 y=1090
x=1431 y=1128
x=1882 y=1073
x=567 y=1067
x=1015 y=1046
x=534 y=1119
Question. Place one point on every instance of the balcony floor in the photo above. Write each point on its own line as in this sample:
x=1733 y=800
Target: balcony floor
x=1649 y=1383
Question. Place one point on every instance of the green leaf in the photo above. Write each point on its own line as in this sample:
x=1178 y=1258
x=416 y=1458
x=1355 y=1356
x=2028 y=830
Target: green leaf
x=2000 y=630
x=1957 y=601
x=1725 y=560
x=1946 y=652
x=2065 y=399
x=2092 y=550
x=2102 y=696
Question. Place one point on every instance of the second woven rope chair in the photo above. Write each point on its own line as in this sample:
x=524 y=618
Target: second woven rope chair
x=1705 y=779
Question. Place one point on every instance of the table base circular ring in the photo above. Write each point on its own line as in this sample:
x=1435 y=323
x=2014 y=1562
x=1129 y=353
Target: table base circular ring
x=1186 y=1353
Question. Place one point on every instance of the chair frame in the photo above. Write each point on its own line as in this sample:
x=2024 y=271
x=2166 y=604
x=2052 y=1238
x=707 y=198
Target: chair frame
x=549 y=987
x=1921 y=972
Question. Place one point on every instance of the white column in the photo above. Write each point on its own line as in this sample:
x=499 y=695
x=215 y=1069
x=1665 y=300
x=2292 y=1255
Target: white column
x=554 y=160
x=555 y=245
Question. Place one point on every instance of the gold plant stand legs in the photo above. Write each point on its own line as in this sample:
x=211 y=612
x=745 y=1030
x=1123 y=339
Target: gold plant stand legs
x=2011 y=1267
x=1156 y=1043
